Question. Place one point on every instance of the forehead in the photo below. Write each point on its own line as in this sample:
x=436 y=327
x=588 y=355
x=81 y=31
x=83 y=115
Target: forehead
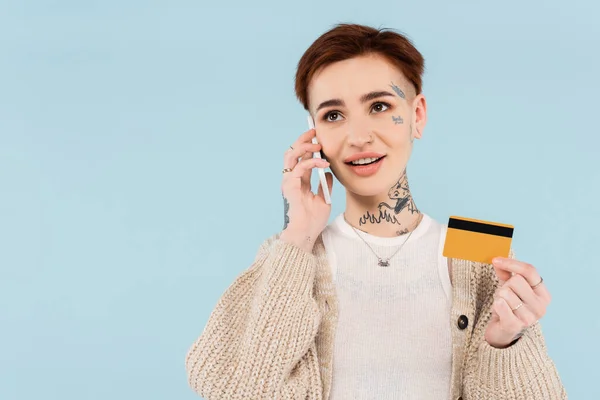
x=349 y=79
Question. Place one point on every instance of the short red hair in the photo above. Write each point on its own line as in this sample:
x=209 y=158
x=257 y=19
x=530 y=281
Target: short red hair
x=346 y=41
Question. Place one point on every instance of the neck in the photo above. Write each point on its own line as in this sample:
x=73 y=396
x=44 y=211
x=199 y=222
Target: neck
x=386 y=215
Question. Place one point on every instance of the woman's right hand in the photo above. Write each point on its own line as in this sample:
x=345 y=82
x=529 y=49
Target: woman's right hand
x=305 y=214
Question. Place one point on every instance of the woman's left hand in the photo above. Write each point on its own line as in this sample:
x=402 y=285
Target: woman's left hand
x=519 y=302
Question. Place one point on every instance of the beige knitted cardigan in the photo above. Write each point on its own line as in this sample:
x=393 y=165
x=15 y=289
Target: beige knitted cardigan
x=270 y=335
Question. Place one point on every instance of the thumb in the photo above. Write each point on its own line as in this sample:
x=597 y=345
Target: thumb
x=502 y=274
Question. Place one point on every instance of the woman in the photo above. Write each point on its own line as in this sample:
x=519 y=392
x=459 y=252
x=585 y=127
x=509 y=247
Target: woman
x=367 y=307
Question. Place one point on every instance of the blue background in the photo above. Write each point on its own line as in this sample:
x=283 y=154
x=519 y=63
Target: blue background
x=141 y=147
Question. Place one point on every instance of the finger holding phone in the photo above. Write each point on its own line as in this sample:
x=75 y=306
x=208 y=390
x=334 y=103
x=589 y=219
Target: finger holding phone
x=305 y=214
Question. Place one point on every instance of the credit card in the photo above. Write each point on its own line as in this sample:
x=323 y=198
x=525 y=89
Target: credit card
x=477 y=240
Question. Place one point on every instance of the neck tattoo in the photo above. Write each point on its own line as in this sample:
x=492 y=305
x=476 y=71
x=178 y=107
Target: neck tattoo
x=400 y=199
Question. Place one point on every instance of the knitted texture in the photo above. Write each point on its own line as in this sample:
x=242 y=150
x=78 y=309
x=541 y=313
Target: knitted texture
x=271 y=335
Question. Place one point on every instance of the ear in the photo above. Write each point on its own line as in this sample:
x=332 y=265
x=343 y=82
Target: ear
x=419 y=115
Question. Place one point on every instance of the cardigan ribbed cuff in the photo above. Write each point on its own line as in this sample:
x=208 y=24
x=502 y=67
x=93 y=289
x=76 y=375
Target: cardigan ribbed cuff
x=290 y=267
x=523 y=368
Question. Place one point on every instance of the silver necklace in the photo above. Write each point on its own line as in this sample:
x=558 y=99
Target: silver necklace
x=383 y=262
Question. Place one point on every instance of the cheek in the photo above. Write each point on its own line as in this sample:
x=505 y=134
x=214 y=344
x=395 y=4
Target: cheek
x=396 y=124
x=330 y=147
x=397 y=120
x=396 y=136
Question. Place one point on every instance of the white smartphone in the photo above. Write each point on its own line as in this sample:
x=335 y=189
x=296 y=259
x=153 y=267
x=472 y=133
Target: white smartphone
x=321 y=171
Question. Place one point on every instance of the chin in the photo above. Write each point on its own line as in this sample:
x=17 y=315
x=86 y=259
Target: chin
x=367 y=187
x=375 y=185
x=371 y=191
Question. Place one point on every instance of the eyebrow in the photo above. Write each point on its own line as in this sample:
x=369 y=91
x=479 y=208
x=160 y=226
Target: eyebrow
x=363 y=99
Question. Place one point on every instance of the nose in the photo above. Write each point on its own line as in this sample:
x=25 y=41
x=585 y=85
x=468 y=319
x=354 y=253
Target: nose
x=359 y=133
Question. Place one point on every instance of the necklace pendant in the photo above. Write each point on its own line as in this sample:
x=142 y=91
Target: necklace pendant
x=384 y=263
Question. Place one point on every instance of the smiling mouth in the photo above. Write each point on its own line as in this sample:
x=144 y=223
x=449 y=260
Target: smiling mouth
x=371 y=161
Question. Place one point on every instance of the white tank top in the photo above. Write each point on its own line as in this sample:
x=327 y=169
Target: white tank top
x=393 y=338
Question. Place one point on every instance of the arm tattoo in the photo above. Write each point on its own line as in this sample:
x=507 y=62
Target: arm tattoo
x=286 y=208
x=398 y=91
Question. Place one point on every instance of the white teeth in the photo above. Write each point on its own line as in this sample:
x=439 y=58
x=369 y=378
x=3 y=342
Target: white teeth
x=364 y=161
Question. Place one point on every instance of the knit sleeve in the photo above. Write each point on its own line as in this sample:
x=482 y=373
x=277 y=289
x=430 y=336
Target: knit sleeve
x=259 y=341
x=522 y=371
